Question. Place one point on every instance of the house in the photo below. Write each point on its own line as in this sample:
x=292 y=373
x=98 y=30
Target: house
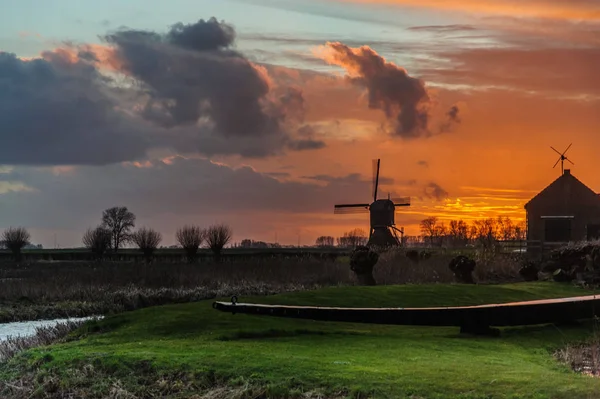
x=566 y=210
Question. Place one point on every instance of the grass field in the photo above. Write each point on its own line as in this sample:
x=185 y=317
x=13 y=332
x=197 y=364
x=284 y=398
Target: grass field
x=186 y=349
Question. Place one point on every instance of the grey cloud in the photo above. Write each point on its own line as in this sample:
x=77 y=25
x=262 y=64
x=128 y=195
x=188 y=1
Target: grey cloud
x=302 y=145
x=403 y=98
x=435 y=191
x=443 y=28
x=191 y=93
x=75 y=199
x=53 y=111
x=202 y=36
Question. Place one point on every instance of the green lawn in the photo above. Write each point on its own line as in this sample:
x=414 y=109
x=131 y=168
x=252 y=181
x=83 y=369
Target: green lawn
x=290 y=356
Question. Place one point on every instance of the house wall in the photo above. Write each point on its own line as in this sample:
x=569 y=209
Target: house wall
x=566 y=197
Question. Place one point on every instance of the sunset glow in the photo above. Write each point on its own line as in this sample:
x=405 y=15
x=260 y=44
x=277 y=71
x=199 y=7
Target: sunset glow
x=269 y=115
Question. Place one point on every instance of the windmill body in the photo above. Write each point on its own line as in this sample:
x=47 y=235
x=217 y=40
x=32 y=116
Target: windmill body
x=383 y=231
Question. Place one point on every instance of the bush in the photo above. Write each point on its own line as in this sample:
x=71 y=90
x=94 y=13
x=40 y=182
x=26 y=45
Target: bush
x=98 y=240
x=15 y=238
x=217 y=236
x=190 y=238
x=147 y=240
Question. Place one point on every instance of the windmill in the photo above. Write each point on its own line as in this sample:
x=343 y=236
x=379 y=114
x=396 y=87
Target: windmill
x=562 y=159
x=383 y=231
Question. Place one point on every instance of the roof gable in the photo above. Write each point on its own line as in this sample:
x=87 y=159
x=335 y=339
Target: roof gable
x=565 y=183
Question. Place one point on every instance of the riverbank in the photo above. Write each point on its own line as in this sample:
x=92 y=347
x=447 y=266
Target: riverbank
x=191 y=349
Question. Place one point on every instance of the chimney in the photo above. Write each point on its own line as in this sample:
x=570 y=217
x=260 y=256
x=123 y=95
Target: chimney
x=567 y=171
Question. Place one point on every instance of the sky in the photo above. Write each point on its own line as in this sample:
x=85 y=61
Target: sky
x=263 y=114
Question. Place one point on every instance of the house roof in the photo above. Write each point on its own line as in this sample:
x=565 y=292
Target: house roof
x=564 y=179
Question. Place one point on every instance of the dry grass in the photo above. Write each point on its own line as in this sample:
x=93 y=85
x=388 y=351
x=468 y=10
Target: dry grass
x=75 y=289
x=395 y=268
x=43 y=336
x=583 y=357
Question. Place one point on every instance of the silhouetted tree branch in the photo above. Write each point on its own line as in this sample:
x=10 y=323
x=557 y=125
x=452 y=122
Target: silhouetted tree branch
x=15 y=238
x=217 y=236
x=190 y=238
x=97 y=240
x=120 y=222
x=147 y=240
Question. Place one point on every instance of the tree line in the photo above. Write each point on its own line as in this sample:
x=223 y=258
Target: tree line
x=485 y=232
x=117 y=229
x=350 y=239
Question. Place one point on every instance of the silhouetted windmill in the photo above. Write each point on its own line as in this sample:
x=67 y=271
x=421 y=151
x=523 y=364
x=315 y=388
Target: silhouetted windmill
x=562 y=159
x=383 y=231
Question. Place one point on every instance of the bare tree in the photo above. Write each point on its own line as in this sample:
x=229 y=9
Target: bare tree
x=486 y=232
x=120 y=222
x=190 y=238
x=217 y=236
x=97 y=240
x=430 y=228
x=506 y=229
x=458 y=232
x=521 y=231
x=147 y=240
x=15 y=238
x=353 y=238
x=325 y=241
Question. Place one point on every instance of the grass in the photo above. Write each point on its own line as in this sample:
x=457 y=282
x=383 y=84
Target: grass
x=186 y=349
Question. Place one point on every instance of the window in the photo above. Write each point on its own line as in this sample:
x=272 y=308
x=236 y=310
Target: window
x=557 y=229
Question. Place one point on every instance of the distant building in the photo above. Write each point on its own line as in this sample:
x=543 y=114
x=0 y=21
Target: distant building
x=566 y=210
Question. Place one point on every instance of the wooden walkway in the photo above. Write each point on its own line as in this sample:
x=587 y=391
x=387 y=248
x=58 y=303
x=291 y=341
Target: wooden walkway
x=559 y=310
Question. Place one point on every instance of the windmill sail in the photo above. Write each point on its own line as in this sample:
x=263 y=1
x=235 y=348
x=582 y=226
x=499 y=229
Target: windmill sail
x=401 y=201
x=562 y=158
x=376 y=164
x=351 y=208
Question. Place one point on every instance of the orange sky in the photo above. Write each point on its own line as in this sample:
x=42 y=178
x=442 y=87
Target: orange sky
x=523 y=75
x=570 y=9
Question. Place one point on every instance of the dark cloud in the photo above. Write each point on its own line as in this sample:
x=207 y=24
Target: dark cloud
x=190 y=73
x=158 y=188
x=443 y=28
x=403 y=98
x=54 y=111
x=435 y=191
x=202 y=36
x=188 y=91
x=452 y=119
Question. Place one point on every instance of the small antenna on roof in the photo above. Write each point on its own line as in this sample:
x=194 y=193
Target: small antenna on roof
x=562 y=159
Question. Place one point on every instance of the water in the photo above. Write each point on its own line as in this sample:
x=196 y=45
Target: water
x=25 y=328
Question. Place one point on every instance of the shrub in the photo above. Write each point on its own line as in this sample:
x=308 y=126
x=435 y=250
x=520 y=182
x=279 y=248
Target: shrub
x=190 y=238
x=147 y=240
x=217 y=236
x=97 y=240
x=15 y=238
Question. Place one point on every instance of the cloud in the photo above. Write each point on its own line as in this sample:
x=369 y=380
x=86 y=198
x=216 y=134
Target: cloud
x=443 y=28
x=55 y=111
x=549 y=9
x=185 y=90
x=189 y=187
x=558 y=71
x=404 y=99
x=423 y=163
x=435 y=191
